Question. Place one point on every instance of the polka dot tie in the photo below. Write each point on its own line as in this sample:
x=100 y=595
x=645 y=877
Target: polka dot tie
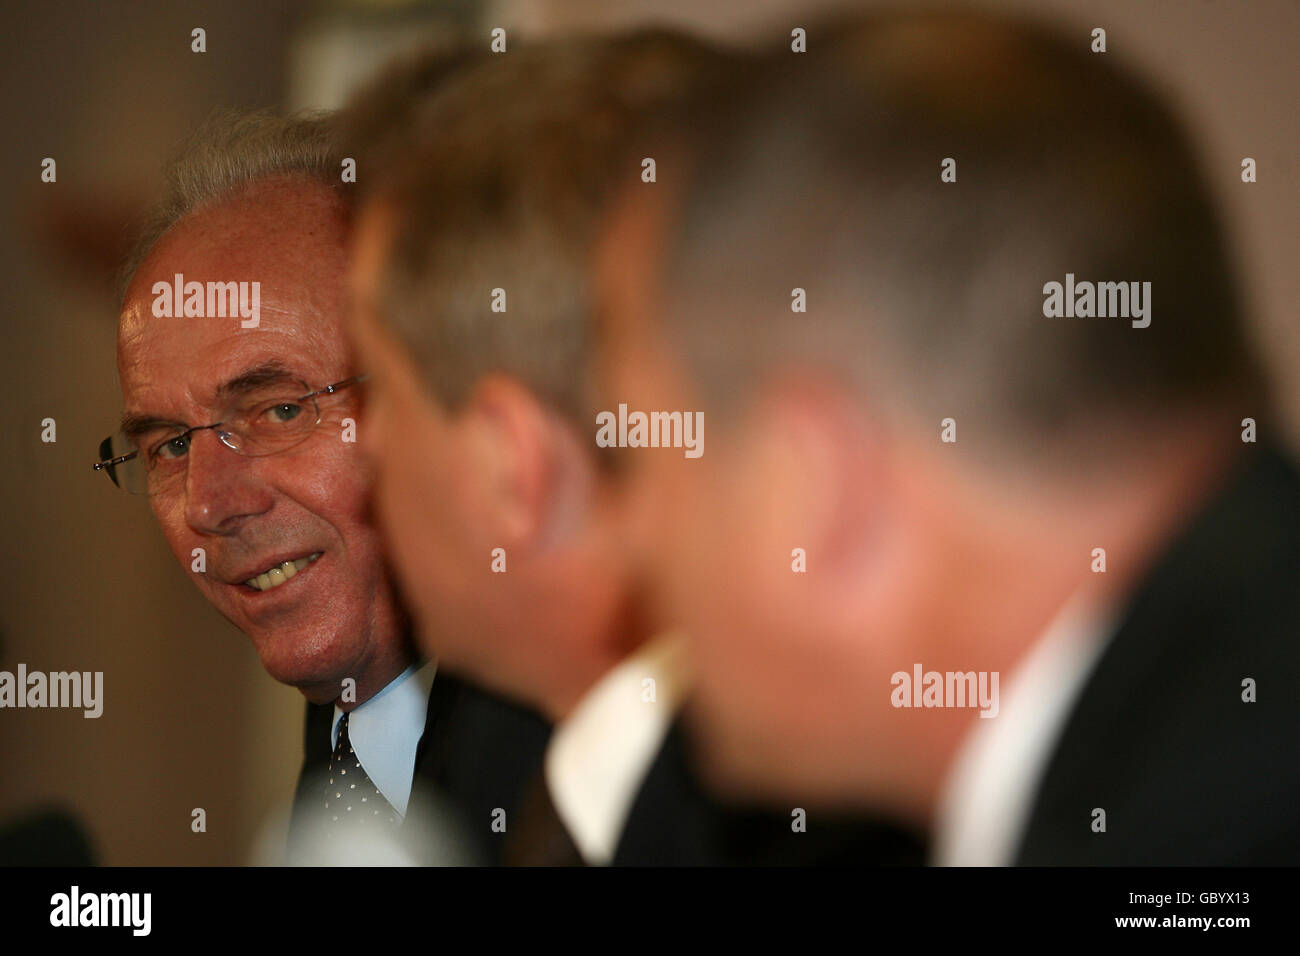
x=351 y=797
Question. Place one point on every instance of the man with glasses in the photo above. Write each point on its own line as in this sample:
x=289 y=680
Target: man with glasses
x=147 y=456
x=243 y=438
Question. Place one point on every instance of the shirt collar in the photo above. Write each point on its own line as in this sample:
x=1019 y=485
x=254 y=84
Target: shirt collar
x=385 y=732
x=599 y=755
x=988 y=795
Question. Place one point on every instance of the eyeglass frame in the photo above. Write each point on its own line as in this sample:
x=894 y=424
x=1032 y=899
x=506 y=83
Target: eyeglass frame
x=105 y=463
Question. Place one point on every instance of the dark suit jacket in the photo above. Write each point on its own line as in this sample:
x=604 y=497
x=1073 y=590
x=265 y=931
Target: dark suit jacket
x=674 y=822
x=1160 y=738
x=476 y=755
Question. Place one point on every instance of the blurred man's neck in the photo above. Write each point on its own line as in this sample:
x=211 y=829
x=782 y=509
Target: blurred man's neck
x=1017 y=564
x=628 y=631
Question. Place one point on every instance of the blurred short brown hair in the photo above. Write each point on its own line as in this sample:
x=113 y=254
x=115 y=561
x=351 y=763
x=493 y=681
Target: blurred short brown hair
x=383 y=120
x=505 y=179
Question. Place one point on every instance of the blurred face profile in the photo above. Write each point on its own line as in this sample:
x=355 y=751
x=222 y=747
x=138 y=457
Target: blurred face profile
x=421 y=495
x=501 y=532
x=792 y=702
x=291 y=559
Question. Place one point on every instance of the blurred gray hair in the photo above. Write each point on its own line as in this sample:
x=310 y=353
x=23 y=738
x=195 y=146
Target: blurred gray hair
x=823 y=174
x=228 y=151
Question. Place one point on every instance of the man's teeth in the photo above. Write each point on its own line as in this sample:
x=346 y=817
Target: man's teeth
x=274 y=577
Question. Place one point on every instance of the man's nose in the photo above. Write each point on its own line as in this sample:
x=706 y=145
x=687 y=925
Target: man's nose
x=221 y=490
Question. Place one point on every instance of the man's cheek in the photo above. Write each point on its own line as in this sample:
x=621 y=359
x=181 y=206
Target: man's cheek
x=170 y=515
x=330 y=470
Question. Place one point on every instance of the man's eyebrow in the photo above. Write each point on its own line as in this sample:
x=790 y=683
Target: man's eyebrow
x=134 y=424
x=268 y=373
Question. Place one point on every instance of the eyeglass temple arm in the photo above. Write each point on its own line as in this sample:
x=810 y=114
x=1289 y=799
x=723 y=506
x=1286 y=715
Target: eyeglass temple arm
x=331 y=389
x=113 y=461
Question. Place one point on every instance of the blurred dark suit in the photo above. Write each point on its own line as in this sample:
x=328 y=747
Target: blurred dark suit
x=1160 y=738
x=674 y=822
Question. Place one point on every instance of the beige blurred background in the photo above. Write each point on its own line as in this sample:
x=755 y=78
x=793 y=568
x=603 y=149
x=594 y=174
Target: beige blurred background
x=190 y=720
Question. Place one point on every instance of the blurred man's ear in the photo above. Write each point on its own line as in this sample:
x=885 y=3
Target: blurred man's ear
x=819 y=464
x=535 y=475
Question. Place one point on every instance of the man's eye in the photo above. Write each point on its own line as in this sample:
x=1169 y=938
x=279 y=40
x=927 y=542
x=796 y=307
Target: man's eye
x=281 y=413
x=172 y=448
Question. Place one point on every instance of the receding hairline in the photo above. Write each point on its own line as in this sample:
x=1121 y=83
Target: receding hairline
x=228 y=153
x=281 y=189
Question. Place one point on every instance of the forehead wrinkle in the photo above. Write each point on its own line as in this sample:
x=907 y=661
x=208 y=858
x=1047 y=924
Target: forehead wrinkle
x=291 y=238
x=257 y=374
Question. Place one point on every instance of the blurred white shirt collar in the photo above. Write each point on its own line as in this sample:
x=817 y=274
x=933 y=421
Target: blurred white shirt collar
x=989 y=793
x=599 y=755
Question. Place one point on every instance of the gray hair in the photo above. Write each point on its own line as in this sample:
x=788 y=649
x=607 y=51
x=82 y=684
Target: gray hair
x=228 y=151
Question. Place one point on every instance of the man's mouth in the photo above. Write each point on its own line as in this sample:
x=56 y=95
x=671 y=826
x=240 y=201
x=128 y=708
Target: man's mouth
x=275 y=576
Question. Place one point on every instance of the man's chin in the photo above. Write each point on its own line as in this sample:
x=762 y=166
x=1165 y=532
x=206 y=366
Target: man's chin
x=317 y=687
x=319 y=678
x=729 y=775
x=318 y=693
x=739 y=763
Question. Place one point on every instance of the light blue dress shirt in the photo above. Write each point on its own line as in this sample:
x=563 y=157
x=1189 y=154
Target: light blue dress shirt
x=385 y=732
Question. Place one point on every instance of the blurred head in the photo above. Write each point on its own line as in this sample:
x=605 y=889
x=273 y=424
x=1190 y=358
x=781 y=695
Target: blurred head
x=908 y=462
x=473 y=313
x=290 y=556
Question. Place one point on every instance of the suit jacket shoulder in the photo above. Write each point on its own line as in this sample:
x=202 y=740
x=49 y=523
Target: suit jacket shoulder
x=478 y=754
x=1165 y=738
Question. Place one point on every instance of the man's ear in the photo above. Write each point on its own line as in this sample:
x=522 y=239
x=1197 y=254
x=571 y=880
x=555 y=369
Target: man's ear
x=823 y=458
x=534 y=474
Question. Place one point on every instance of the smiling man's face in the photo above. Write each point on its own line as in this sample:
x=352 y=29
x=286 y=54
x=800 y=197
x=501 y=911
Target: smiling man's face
x=332 y=616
